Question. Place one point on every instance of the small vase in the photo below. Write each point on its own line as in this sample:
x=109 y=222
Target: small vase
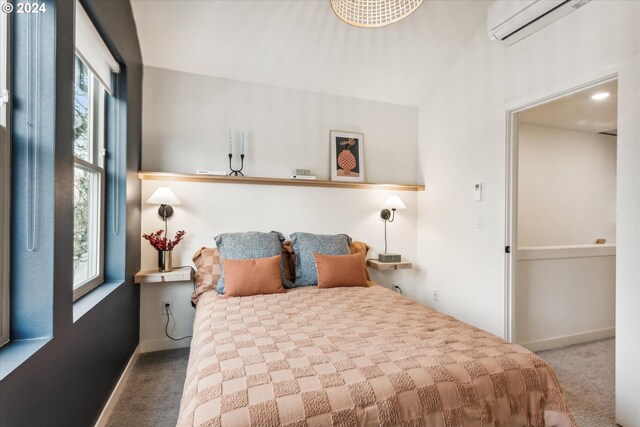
x=164 y=261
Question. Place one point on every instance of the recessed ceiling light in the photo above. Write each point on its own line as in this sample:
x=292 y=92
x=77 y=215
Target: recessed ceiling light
x=600 y=96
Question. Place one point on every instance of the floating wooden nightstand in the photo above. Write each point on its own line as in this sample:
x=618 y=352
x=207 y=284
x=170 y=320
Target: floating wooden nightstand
x=386 y=266
x=182 y=274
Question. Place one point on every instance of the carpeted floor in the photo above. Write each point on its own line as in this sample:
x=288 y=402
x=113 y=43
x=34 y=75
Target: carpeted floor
x=151 y=397
x=587 y=376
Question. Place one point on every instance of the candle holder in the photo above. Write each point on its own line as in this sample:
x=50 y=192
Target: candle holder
x=236 y=172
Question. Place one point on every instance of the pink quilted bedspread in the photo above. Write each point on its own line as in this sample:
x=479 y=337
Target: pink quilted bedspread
x=357 y=356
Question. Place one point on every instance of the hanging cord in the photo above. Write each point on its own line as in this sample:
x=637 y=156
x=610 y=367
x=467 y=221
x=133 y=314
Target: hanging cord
x=33 y=127
x=385 y=236
x=166 y=326
x=385 y=228
x=167 y=307
x=116 y=138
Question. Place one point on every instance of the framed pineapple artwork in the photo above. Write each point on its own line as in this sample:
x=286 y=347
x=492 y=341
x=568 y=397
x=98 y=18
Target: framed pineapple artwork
x=346 y=156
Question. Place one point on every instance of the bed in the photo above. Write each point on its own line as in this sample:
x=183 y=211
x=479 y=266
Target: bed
x=357 y=356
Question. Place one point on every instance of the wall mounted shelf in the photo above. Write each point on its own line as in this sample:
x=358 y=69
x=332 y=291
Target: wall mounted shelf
x=182 y=274
x=166 y=176
x=386 y=266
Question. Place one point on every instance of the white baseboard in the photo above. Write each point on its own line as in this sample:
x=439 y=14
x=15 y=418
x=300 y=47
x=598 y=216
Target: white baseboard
x=117 y=390
x=163 y=344
x=566 y=340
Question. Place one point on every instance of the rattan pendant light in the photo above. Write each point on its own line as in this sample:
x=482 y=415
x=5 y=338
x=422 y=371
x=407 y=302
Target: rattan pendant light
x=373 y=13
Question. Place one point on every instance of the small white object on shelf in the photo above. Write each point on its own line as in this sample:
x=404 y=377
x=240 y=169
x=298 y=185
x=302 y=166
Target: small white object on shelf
x=206 y=172
x=309 y=177
x=182 y=274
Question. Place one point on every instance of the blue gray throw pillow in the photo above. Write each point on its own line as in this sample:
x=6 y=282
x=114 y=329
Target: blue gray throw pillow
x=304 y=246
x=249 y=245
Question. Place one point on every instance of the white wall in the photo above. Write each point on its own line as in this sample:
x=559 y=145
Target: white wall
x=565 y=295
x=184 y=129
x=208 y=209
x=463 y=140
x=186 y=117
x=566 y=187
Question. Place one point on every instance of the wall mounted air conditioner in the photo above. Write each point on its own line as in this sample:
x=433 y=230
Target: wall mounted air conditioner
x=509 y=21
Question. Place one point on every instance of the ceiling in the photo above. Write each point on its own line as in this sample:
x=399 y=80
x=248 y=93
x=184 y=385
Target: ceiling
x=578 y=111
x=301 y=44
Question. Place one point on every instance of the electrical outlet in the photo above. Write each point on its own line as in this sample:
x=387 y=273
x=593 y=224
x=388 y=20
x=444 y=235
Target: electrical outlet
x=166 y=302
x=436 y=295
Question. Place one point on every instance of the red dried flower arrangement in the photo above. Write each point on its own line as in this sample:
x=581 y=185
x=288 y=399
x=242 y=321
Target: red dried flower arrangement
x=162 y=243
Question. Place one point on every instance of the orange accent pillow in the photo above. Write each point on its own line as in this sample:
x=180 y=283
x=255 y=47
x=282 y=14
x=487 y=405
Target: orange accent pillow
x=340 y=270
x=253 y=276
x=289 y=257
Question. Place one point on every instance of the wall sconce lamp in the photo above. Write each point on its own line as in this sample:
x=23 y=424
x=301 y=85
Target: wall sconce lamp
x=388 y=214
x=164 y=197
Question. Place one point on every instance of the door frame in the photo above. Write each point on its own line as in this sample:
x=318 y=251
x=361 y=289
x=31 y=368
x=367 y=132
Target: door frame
x=511 y=193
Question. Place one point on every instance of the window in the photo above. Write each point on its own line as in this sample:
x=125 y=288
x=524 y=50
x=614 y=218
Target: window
x=88 y=209
x=5 y=180
x=94 y=70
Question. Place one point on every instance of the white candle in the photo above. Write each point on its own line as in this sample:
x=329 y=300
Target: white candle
x=242 y=146
x=230 y=143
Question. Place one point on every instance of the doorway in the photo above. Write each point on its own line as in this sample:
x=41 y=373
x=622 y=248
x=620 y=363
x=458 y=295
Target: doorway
x=561 y=177
x=561 y=221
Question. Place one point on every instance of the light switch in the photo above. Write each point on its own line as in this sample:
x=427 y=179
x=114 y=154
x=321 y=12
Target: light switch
x=479 y=221
x=477 y=192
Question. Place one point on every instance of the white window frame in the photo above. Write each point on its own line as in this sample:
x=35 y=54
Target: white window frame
x=95 y=55
x=97 y=99
x=5 y=180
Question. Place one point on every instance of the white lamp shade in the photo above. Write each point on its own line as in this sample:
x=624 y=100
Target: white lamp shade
x=163 y=196
x=394 y=202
